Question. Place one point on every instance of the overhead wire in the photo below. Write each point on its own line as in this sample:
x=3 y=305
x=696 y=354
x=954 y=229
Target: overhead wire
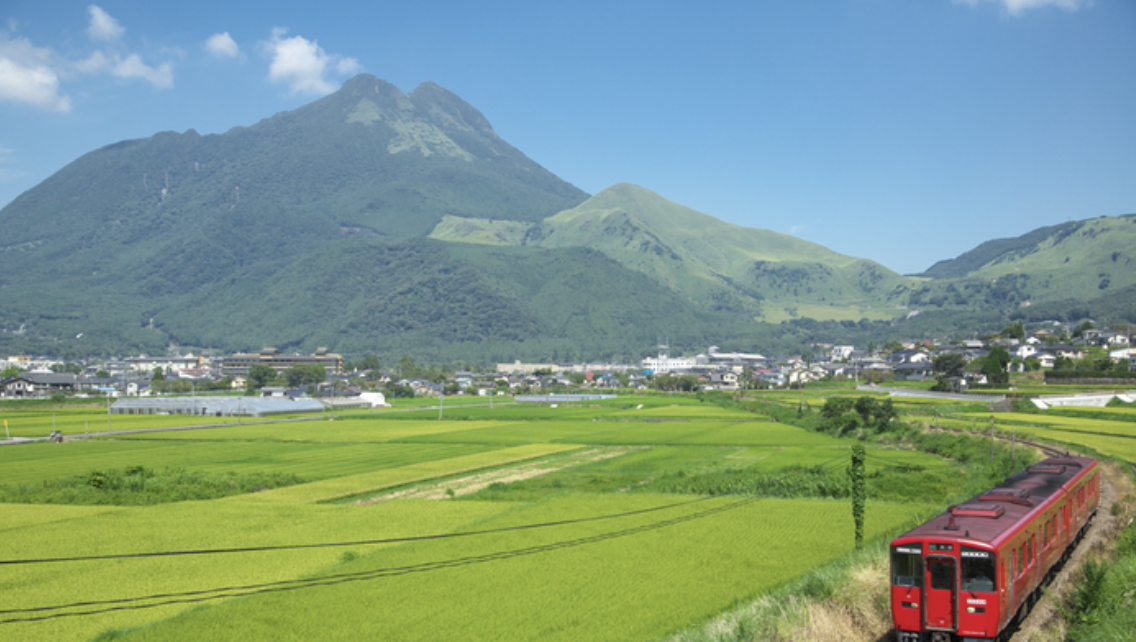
x=148 y=601
x=287 y=585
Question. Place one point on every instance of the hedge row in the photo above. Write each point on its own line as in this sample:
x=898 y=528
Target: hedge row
x=1091 y=376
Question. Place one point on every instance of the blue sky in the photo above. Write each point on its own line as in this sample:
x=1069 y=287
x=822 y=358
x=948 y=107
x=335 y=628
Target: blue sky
x=902 y=131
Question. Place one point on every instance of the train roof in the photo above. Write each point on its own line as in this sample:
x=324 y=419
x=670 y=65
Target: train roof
x=998 y=511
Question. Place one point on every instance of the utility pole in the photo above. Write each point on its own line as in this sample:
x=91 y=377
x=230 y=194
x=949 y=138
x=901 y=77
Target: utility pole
x=1013 y=442
x=856 y=472
x=991 y=441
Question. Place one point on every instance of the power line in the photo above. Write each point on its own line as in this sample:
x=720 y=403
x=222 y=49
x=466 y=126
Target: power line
x=143 y=602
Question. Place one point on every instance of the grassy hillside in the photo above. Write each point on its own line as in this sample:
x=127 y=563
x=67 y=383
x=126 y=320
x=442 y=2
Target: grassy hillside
x=714 y=264
x=1063 y=267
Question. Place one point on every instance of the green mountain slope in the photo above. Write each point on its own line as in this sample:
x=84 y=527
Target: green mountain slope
x=712 y=263
x=364 y=160
x=298 y=232
x=992 y=251
x=1076 y=261
x=437 y=301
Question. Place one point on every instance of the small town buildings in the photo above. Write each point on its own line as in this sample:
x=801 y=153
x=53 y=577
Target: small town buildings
x=913 y=371
x=526 y=368
x=664 y=364
x=841 y=353
x=165 y=364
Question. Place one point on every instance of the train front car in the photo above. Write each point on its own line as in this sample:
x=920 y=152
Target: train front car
x=962 y=576
x=943 y=587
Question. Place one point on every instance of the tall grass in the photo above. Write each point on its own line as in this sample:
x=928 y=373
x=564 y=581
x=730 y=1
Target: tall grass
x=141 y=486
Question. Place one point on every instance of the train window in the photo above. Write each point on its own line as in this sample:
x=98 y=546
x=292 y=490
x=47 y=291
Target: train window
x=942 y=574
x=907 y=566
x=977 y=570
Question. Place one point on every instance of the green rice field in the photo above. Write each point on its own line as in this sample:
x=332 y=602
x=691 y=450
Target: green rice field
x=586 y=544
x=1111 y=438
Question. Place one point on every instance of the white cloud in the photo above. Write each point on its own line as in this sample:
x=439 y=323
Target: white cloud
x=32 y=75
x=95 y=62
x=103 y=26
x=302 y=64
x=348 y=66
x=222 y=45
x=1017 y=7
x=132 y=66
x=26 y=76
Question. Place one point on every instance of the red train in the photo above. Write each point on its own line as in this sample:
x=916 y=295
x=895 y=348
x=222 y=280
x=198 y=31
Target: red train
x=966 y=574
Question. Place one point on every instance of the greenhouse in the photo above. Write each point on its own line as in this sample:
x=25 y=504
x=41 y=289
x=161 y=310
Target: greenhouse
x=216 y=406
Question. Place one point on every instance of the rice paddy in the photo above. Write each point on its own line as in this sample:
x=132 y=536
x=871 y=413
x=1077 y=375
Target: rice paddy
x=625 y=560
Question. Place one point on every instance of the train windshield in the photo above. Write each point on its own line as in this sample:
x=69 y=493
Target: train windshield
x=977 y=570
x=907 y=566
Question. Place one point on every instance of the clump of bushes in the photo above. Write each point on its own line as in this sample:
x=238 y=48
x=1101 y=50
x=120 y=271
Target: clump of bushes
x=141 y=486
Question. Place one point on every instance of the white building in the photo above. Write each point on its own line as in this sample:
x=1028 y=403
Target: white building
x=147 y=364
x=840 y=353
x=664 y=364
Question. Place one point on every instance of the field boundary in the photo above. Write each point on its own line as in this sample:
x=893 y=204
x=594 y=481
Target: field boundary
x=330 y=490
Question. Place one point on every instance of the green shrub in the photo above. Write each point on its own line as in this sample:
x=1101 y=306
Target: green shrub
x=1088 y=595
x=139 y=486
x=1126 y=543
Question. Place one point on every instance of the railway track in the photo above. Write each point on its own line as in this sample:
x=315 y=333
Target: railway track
x=1036 y=617
x=1051 y=451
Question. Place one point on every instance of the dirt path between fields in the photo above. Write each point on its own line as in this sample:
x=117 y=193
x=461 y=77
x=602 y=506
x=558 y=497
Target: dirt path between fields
x=1101 y=537
x=528 y=470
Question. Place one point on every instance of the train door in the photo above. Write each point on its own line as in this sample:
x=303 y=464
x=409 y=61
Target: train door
x=941 y=595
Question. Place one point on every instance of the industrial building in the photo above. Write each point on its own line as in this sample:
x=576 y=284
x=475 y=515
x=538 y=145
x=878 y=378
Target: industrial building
x=238 y=365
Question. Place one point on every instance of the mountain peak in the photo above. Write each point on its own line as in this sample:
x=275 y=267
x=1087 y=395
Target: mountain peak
x=448 y=110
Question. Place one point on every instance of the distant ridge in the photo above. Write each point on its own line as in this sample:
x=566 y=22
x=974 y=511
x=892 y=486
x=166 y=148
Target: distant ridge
x=991 y=251
x=307 y=229
x=713 y=263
